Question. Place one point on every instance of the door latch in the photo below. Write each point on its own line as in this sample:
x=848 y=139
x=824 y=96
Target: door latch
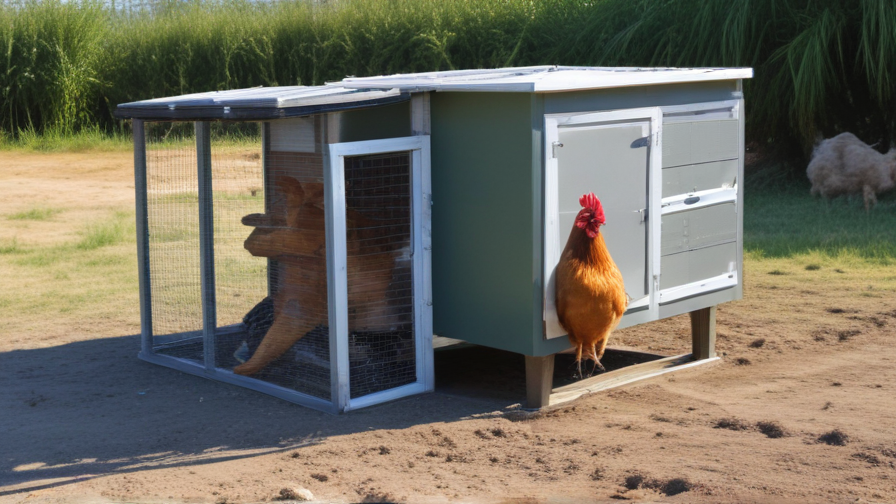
x=643 y=214
x=554 y=149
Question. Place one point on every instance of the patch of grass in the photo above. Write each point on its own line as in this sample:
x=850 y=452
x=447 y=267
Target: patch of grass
x=9 y=246
x=111 y=232
x=35 y=214
x=788 y=222
x=90 y=139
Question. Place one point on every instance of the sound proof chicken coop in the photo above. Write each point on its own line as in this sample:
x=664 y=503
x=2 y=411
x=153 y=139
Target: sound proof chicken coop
x=308 y=242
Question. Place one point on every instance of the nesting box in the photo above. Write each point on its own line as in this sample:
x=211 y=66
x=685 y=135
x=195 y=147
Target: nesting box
x=387 y=209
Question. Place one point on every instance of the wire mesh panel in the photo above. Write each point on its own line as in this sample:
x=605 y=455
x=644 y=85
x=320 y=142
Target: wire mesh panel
x=173 y=219
x=382 y=351
x=240 y=278
x=286 y=333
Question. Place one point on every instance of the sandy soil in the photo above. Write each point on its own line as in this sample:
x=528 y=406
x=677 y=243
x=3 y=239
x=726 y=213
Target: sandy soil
x=801 y=408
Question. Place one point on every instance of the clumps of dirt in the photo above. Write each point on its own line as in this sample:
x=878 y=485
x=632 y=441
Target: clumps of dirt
x=777 y=272
x=867 y=457
x=878 y=322
x=445 y=441
x=827 y=406
x=836 y=384
x=835 y=310
x=633 y=481
x=771 y=429
x=432 y=453
x=812 y=267
x=494 y=432
x=660 y=418
x=668 y=487
x=732 y=423
x=294 y=494
x=375 y=497
x=834 y=438
x=453 y=457
x=845 y=335
x=742 y=361
x=598 y=474
x=384 y=450
x=323 y=478
x=758 y=343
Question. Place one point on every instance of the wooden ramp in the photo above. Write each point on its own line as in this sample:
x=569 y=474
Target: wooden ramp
x=624 y=376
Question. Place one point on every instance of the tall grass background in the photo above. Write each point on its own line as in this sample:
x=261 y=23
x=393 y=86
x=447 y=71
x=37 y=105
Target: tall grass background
x=821 y=66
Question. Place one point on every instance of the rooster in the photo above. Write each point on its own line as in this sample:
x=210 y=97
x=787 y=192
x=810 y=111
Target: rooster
x=591 y=297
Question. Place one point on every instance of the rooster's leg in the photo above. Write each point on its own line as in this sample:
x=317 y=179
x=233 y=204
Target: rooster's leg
x=579 y=361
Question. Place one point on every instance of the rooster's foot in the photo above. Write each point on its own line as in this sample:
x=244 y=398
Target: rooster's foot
x=595 y=366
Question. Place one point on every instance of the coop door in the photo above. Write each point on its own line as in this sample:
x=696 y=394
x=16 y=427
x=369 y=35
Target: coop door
x=380 y=308
x=615 y=155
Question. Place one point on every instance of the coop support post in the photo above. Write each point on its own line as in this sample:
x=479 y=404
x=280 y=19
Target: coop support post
x=421 y=126
x=337 y=267
x=703 y=333
x=266 y=194
x=206 y=242
x=539 y=380
x=140 y=196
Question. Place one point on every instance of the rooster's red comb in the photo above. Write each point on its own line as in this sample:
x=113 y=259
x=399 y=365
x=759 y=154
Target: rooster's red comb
x=591 y=217
x=590 y=202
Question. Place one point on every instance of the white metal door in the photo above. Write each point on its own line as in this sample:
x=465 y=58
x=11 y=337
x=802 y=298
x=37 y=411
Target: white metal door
x=615 y=155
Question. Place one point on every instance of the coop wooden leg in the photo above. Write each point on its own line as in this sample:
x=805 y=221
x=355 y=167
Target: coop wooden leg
x=703 y=333
x=539 y=380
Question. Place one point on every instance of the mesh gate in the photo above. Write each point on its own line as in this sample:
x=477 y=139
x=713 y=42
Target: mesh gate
x=235 y=276
x=380 y=282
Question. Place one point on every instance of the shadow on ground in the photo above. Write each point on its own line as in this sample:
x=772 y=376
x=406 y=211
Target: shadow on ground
x=91 y=408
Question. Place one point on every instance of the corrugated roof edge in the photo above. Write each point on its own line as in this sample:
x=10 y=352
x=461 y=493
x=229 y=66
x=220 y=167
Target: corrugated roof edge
x=239 y=104
x=543 y=79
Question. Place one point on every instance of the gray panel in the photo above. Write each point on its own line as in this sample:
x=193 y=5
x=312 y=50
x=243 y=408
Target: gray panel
x=686 y=267
x=698 y=228
x=698 y=177
x=604 y=161
x=699 y=142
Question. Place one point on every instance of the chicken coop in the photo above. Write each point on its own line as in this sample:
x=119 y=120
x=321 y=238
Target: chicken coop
x=309 y=242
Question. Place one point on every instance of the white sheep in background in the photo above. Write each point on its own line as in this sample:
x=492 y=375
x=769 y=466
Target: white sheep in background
x=846 y=165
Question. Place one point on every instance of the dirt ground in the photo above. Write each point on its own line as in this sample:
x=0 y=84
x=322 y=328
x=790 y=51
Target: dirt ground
x=801 y=407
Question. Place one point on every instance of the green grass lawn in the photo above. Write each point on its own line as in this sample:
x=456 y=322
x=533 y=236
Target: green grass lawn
x=787 y=222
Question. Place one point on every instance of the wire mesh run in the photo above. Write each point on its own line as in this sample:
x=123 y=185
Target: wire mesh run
x=382 y=352
x=173 y=218
x=287 y=336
